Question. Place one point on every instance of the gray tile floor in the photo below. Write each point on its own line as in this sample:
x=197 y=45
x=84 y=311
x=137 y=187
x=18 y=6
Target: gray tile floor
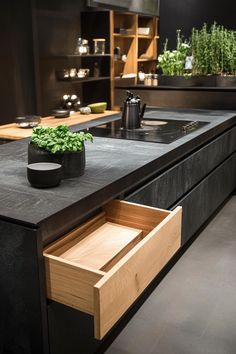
x=193 y=310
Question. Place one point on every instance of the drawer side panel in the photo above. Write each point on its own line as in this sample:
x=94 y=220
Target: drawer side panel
x=117 y=291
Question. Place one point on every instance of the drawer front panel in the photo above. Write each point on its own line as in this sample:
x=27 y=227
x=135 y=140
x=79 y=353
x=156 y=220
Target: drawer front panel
x=70 y=285
x=203 y=200
x=118 y=290
x=177 y=181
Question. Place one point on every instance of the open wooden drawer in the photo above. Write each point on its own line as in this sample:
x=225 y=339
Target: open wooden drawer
x=104 y=265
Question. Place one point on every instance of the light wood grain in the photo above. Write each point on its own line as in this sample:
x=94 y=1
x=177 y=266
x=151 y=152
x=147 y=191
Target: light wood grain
x=120 y=287
x=12 y=132
x=69 y=284
x=106 y=263
x=101 y=246
x=73 y=237
x=134 y=215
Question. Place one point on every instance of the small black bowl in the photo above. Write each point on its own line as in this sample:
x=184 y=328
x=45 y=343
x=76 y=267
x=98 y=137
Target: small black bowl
x=28 y=121
x=61 y=113
x=44 y=174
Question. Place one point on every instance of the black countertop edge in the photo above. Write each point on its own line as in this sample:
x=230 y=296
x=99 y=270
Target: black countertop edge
x=177 y=88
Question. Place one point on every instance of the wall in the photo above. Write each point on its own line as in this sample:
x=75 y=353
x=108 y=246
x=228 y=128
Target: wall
x=184 y=14
x=58 y=26
x=17 y=94
x=24 y=38
x=31 y=31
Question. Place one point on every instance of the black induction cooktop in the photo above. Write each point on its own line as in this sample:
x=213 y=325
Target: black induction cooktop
x=152 y=130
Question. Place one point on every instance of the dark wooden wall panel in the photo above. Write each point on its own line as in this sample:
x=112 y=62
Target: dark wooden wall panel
x=17 y=84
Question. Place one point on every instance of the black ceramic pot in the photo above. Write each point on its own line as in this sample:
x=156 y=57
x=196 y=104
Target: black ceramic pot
x=44 y=174
x=73 y=163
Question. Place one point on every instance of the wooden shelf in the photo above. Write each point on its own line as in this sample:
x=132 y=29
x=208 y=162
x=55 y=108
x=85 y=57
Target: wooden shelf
x=133 y=45
x=143 y=60
x=89 y=79
x=143 y=36
x=81 y=56
x=124 y=35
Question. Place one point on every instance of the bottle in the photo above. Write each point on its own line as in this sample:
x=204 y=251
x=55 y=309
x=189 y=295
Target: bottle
x=117 y=55
x=96 y=70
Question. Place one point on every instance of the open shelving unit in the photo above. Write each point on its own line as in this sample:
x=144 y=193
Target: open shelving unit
x=140 y=49
x=119 y=29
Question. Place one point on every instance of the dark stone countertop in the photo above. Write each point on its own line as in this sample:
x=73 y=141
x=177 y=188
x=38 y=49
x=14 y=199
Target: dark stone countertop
x=113 y=167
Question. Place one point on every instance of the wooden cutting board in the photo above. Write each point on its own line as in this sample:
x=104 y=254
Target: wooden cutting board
x=12 y=132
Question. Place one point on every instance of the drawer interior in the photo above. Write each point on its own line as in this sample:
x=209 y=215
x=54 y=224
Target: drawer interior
x=102 y=266
x=100 y=246
x=102 y=241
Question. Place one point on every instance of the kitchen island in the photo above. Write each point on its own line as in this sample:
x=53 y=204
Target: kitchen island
x=197 y=171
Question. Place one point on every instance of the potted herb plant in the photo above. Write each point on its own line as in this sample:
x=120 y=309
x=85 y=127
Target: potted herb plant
x=172 y=63
x=61 y=146
x=214 y=52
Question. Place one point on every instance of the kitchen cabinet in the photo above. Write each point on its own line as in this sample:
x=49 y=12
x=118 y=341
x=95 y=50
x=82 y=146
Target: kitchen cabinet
x=179 y=184
x=201 y=202
x=23 y=319
x=31 y=220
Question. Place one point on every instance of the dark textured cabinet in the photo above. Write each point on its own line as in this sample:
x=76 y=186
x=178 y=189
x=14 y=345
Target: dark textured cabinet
x=181 y=184
x=23 y=319
x=201 y=202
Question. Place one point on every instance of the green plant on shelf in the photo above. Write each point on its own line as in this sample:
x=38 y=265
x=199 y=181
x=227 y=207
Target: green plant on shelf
x=173 y=62
x=59 y=139
x=213 y=50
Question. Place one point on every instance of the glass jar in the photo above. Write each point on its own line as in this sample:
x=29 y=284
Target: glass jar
x=155 y=80
x=148 y=80
x=99 y=45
